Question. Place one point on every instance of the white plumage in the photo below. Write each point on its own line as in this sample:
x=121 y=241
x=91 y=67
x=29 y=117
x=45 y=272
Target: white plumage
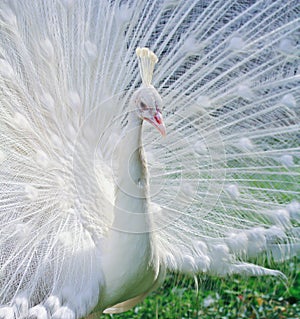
x=93 y=211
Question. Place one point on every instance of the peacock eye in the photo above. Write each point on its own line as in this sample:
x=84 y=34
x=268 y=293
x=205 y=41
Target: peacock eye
x=143 y=106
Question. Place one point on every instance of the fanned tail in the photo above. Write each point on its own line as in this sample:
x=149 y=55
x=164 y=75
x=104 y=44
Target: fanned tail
x=55 y=197
x=225 y=183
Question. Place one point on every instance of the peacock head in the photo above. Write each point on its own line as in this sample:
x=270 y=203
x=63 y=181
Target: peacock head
x=148 y=107
x=147 y=101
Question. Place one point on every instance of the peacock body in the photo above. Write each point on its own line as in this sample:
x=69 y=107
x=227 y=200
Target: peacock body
x=95 y=206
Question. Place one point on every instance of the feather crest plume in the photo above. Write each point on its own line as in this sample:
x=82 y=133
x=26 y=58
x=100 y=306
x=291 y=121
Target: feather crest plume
x=147 y=60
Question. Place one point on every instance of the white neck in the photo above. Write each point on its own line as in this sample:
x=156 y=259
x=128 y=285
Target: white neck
x=130 y=267
x=132 y=182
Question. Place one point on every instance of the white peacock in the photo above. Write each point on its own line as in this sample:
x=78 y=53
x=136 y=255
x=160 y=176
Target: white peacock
x=96 y=206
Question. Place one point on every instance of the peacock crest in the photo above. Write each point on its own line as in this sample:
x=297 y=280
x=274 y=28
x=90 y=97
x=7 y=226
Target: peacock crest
x=147 y=60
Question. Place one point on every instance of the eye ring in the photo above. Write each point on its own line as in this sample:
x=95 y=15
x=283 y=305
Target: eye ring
x=143 y=105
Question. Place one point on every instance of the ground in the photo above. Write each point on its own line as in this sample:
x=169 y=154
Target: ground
x=232 y=297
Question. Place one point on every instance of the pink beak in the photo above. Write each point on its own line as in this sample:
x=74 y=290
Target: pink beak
x=158 y=122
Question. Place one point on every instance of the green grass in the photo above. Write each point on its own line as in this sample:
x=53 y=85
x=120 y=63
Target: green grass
x=222 y=298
